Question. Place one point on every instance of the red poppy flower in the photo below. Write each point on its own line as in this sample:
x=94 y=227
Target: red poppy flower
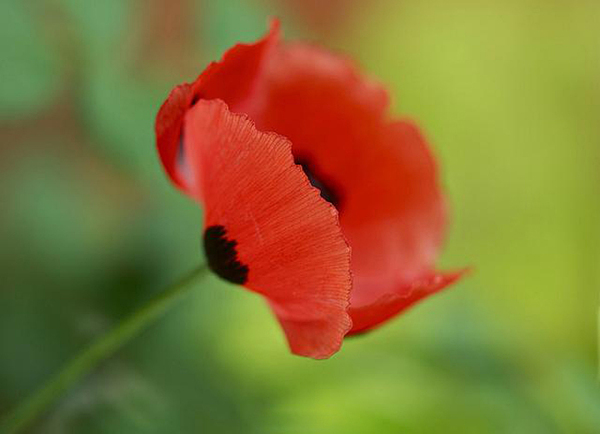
x=291 y=153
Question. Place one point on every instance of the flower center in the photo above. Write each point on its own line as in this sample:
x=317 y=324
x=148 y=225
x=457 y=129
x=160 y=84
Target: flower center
x=329 y=192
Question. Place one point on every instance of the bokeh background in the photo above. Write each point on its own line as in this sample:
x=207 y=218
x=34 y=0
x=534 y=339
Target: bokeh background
x=508 y=93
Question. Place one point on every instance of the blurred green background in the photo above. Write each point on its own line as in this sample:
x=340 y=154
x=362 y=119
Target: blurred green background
x=508 y=93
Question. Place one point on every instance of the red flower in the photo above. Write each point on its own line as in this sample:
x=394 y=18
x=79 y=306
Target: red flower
x=267 y=228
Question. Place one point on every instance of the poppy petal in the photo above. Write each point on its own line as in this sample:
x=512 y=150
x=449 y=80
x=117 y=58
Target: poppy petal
x=373 y=315
x=382 y=174
x=232 y=79
x=168 y=132
x=270 y=229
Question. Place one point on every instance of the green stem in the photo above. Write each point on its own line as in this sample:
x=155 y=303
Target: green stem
x=30 y=409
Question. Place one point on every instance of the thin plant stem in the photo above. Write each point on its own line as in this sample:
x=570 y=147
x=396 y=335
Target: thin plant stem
x=106 y=345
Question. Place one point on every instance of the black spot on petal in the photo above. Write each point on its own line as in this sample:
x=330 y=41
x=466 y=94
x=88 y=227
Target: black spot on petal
x=328 y=190
x=222 y=255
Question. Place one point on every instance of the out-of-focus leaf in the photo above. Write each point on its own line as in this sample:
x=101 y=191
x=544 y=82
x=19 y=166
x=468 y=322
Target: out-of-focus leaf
x=29 y=69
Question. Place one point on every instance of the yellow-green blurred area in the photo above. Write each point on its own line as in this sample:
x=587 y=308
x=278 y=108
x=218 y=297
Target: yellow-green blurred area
x=508 y=93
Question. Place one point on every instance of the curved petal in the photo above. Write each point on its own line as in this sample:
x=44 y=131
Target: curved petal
x=383 y=174
x=232 y=79
x=370 y=316
x=168 y=132
x=274 y=233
